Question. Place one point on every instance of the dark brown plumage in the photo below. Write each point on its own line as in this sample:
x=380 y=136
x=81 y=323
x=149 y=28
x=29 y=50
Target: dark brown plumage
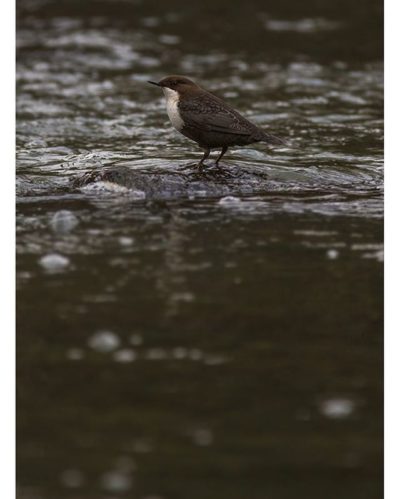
x=207 y=119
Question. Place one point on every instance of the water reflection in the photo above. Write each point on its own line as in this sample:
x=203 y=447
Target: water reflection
x=173 y=281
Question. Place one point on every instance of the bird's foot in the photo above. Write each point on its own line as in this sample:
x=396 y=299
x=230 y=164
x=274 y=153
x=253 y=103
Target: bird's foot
x=196 y=169
x=201 y=168
x=219 y=170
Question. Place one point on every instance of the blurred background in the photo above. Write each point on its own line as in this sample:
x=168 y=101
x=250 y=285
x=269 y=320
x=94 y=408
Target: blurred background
x=202 y=348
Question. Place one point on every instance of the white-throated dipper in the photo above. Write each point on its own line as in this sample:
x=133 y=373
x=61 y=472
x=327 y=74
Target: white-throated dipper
x=207 y=119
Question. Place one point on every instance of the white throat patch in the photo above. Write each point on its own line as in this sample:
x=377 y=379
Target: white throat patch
x=172 y=98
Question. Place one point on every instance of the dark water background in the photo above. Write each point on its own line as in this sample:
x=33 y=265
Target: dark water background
x=199 y=348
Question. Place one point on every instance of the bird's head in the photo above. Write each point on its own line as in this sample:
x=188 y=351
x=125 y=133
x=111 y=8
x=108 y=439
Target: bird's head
x=176 y=84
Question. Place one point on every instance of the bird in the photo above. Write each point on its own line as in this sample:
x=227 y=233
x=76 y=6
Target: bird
x=207 y=120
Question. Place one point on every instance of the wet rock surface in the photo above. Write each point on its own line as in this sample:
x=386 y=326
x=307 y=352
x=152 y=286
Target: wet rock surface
x=184 y=182
x=187 y=182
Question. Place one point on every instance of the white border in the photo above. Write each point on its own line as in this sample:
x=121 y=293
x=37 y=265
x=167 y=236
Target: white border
x=7 y=245
x=392 y=249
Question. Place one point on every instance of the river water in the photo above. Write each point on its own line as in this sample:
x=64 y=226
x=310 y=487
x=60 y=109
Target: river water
x=199 y=346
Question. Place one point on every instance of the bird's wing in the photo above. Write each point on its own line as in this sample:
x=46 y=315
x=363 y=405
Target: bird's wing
x=207 y=113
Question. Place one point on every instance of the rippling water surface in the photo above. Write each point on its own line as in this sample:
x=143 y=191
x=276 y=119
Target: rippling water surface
x=203 y=346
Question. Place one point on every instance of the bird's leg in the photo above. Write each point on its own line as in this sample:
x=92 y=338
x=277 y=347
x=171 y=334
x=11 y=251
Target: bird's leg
x=206 y=154
x=224 y=149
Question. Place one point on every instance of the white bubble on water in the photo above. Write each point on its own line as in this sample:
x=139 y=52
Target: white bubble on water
x=116 y=481
x=156 y=354
x=185 y=297
x=332 y=254
x=179 y=353
x=104 y=341
x=63 y=221
x=72 y=478
x=136 y=340
x=54 y=262
x=150 y=22
x=230 y=201
x=306 y=25
x=169 y=39
x=203 y=437
x=75 y=354
x=125 y=355
x=337 y=408
x=195 y=354
x=126 y=241
x=214 y=360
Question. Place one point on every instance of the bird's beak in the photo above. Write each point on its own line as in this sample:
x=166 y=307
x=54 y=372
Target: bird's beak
x=154 y=83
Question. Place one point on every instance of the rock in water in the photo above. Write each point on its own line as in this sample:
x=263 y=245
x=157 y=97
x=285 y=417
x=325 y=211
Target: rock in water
x=182 y=183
